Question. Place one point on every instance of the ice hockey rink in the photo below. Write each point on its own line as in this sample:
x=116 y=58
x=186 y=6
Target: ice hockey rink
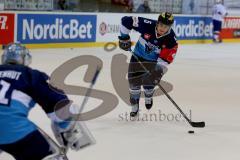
x=205 y=79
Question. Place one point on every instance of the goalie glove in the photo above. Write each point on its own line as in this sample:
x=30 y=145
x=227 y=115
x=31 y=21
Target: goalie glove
x=74 y=135
x=124 y=42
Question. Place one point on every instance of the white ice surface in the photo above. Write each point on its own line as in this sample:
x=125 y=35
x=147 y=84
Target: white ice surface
x=206 y=80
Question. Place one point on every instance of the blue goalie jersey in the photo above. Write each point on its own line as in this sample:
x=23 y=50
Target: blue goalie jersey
x=20 y=88
x=150 y=44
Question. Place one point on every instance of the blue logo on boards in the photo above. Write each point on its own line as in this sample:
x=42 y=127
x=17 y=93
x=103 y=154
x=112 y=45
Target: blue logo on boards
x=50 y=28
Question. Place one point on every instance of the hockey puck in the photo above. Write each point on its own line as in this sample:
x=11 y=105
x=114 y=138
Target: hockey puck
x=190 y=132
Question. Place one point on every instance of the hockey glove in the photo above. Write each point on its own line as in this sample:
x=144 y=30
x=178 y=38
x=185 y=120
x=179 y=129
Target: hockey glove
x=159 y=70
x=124 y=42
x=161 y=65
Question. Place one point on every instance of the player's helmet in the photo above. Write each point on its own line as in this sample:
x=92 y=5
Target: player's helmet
x=166 y=18
x=15 y=53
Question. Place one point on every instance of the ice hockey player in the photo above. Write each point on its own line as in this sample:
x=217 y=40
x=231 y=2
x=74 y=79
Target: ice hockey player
x=219 y=12
x=156 y=48
x=20 y=89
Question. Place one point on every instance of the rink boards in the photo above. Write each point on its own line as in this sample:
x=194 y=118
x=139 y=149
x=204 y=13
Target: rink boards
x=55 y=30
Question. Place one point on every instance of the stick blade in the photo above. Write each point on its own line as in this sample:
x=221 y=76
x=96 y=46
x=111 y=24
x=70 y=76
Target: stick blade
x=198 y=124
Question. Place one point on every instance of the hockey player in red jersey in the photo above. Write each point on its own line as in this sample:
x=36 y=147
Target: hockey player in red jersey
x=156 y=48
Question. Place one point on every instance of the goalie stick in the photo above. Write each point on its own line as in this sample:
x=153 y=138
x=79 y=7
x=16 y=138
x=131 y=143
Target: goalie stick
x=193 y=124
x=88 y=92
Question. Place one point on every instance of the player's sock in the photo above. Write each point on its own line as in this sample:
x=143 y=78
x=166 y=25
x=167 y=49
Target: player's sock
x=148 y=97
x=149 y=102
x=135 y=109
x=135 y=94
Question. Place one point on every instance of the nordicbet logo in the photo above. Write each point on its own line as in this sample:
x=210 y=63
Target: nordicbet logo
x=193 y=29
x=3 y=21
x=58 y=30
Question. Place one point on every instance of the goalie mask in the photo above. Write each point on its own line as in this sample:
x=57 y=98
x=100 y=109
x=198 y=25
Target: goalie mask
x=15 y=53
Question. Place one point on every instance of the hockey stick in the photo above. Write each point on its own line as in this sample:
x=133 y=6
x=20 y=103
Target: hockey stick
x=193 y=124
x=91 y=139
x=89 y=90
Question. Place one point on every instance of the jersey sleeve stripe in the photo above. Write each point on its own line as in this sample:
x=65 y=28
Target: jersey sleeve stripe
x=23 y=98
x=124 y=30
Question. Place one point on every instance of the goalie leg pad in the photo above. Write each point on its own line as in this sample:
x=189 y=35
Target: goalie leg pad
x=55 y=156
x=75 y=137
